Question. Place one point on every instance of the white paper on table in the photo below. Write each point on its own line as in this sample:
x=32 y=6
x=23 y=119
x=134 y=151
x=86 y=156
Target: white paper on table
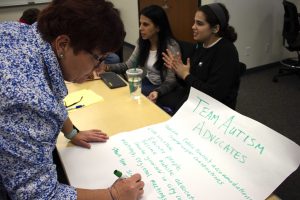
x=206 y=151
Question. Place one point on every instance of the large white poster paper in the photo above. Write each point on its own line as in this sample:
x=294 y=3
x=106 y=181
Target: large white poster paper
x=206 y=151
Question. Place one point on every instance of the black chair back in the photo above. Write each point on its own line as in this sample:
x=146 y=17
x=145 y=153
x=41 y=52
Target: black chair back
x=120 y=53
x=243 y=68
x=291 y=26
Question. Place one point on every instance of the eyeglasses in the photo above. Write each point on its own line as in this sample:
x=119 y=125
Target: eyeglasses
x=67 y=106
x=99 y=59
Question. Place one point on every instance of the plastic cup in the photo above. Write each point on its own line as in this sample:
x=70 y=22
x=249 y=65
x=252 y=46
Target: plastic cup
x=134 y=76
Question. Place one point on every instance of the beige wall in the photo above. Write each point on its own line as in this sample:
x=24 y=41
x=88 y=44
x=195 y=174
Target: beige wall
x=128 y=8
x=259 y=26
x=14 y=13
x=129 y=14
x=258 y=23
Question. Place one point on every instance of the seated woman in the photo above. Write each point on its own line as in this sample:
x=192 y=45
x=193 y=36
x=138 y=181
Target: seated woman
x=155 y=37
x=214 y=64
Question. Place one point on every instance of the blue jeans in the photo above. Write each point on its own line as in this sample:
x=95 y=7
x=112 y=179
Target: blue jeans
x=112 y=58
x=147 y=86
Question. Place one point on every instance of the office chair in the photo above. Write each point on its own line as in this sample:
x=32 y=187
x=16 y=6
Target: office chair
x=291 y=36
x=243 y=68
x=120 y=53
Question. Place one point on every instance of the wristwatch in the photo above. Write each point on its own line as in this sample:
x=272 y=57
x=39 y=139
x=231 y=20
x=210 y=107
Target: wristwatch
x=72 y=134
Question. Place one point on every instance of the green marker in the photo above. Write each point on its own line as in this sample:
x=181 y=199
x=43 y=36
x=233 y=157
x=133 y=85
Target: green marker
x=119 y=174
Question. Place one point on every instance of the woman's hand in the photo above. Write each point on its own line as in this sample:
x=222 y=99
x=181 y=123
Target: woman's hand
x=95 y=75
x=131 y=188
x=153 y=96
x=169 y=58
x=84 y=137
x=174 y=62
x=128 y=189
x=91 y=76
x=101 y=69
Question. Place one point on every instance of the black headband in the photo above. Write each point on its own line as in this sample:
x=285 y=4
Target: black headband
x=219 y=12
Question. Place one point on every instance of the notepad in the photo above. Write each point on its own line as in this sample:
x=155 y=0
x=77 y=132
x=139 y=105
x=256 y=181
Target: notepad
x=82 y=97
x=112 y=80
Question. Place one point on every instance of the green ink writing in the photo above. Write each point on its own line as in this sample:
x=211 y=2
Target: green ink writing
x=214 y=139
x=116 y=151
x=184 y=189
x=173 y=162
x=140 y=164
x=171 y=130
x=230 y=129
x=167 y=145
x=129 y=147
x=147 y=143
x=166 y=167
x=171 y=189
x=155 y=167
x=206 y=168
x=232 y=183
x=122 y=161
x=158 y=190
x=176 y=141
x=141 y=150
x=200 y=101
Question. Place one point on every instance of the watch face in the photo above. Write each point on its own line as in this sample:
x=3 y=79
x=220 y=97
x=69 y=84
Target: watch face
x=74 y=127
x=72 y=133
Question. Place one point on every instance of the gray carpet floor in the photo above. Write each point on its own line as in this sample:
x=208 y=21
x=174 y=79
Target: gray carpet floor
x=276 y=105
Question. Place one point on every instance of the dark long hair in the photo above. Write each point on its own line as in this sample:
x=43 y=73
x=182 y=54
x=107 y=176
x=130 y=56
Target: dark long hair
x=159 y=18
x=228 y=31
x=30 y=16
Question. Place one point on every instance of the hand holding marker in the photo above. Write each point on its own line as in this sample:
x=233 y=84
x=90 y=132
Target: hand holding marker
x=134 y=182
x=120 y=174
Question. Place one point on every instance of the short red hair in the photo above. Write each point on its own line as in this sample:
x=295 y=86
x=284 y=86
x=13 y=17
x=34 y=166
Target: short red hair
x=90 y=24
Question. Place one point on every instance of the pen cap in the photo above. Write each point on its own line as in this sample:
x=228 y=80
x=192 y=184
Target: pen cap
x=118 y=173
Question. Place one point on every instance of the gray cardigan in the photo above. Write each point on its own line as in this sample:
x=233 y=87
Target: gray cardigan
x=169 y=82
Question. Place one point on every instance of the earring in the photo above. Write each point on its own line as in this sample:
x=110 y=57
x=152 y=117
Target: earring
x=61 y=56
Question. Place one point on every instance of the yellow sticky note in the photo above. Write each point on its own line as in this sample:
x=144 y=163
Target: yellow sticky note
x=82 y=97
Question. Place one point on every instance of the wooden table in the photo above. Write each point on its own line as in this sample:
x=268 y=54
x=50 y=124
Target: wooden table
x=116 y=113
